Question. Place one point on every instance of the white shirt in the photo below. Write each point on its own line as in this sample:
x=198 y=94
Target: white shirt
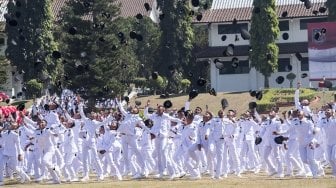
x=328 y=125
x=203 y=130
x=249 y=129
x=161 y=124
x=11 y=143
x=188 y=136
x=70 y=145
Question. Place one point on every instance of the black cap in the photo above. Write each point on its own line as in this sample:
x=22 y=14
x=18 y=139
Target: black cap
x=317 y=36
x=193 y=94
x=148 y=122
x=235 y=62
x=133 y=35
x=280 y=79
x=218 y=64
x=307 y=4
x=280 y=139
x=139 y=16
x=56 y=54
x=7 y=101
x=284 y=14
x=46 y=107
x=236 y=38
x=138 y=103
x=155 y=75
x=252 y=105
x=21 y=107
x=223 y=37
x=19 y=94
x=161 y=16
x=315 y=12
x=195 y=3
x=322 y=9
x=234 y=21
x=24 y=89
x=224 y=103
x=13 y=22
x=229 y=50
x=139 y=37
x=304 y=75
x=245 y=34
x=258 y=140
x=199 y=17
x=328 y=84
x=72 y=30
x=298 y=56
x=285 y=36
x=289 y=67
x=126 y=98
x=190 y=74
x=323 y=30
x=253 y=93
x=259 y=95
x=18 y=3
x=147 y=7
x=213 y=92
x=269 y=56
x=167 y=104
x=121 y=35
x=201 y=82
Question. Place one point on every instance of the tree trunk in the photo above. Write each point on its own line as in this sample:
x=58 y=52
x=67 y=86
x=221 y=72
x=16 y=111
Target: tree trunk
x=266 y=81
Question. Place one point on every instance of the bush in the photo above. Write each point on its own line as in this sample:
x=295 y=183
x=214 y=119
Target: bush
x=185 y=84
x=274 y=97
x=34 y=88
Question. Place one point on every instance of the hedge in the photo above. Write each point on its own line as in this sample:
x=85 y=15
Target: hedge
x=274 y=97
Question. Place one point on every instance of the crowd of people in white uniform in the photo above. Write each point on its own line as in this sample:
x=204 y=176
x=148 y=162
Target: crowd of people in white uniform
x=56 y=141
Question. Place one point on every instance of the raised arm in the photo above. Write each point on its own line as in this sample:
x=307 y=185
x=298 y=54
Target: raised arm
x=81 y=111
x=121 y=108
x=297 y=98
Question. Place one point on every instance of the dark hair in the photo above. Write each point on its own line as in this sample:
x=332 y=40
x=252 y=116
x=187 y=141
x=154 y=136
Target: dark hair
x=189 y=114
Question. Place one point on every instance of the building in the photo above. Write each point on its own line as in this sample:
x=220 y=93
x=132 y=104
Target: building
x=293 y=40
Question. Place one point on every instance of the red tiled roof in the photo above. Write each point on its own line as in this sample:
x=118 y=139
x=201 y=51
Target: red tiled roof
x=128 y=7
x=133 y=7
x=245 y=13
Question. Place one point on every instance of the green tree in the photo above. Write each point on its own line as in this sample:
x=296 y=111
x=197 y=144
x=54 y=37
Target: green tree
x=264 y=32
x=31 y=44
x=4 y=64
x=331 y=5
x=99 y=60
x=176 y=40
x=147 y=49
x=34 y=88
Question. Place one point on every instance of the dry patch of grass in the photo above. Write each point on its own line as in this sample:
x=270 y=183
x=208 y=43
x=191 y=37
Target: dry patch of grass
x=237 y=101
x=247 y=181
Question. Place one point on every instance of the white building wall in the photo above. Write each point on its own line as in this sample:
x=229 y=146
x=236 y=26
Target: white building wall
x=254 y=80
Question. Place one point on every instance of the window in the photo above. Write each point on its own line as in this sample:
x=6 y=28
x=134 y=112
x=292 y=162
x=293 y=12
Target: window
x=303 y=22
x=243 y=68
x=231 y=29
x=284 y=25
x=283 y=65
x=305 y=64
